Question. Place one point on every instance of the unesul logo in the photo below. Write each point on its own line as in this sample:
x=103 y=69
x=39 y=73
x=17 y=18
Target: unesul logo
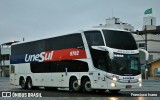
x=43 y=56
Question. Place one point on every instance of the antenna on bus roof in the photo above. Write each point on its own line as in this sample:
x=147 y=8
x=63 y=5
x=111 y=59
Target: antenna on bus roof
x=23 y=39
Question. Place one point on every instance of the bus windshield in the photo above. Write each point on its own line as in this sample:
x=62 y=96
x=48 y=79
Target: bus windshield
x=119 y=40
x=125 y=64
x=122 y=64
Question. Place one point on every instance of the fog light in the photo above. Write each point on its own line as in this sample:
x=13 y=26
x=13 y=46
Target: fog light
x=139 y=79
x=113 y=85
x=140 y=85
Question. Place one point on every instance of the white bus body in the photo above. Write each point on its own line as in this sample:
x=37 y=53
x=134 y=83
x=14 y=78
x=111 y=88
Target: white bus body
x=97 y=59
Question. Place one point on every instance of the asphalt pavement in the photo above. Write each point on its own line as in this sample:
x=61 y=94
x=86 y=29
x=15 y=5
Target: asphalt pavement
x=150 y=90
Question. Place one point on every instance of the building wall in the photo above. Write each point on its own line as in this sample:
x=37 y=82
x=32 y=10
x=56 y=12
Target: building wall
x=155 y=55
x=5 y=51
x=153 y=44
x=4 y=60
x=152 y=69
x=115 y=23
x=149 y=20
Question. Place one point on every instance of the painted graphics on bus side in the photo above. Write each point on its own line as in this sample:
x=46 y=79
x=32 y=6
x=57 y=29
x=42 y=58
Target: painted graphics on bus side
x=43 y=56
x=64 y=54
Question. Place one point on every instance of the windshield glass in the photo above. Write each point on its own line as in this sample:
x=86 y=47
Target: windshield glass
x=125 y=64
x=119 y=40
x=94 y=38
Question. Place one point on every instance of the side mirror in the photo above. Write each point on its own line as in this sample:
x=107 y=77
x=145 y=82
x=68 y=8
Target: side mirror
x=103 y=48
x=146 y=54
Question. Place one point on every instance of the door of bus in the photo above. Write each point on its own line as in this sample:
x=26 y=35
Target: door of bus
x=65 y=78
x=12 y=74
x=14 y=78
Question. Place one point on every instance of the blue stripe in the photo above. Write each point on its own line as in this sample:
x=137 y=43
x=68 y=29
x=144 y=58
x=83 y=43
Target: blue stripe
x=14 y=59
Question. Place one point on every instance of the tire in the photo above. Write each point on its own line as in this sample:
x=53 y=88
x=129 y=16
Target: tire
x=114 y=91
x=23 y=83
x=87 y=85
x=29 y=84
x=73 y=85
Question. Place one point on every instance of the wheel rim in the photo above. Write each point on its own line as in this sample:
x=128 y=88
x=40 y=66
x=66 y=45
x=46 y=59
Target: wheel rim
x=75 y=85
x=88 y=86
x=29 y=84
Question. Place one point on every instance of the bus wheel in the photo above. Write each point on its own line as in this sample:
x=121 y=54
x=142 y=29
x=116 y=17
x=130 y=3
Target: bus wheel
x=29 y=84
x=23 y=83
x=74 y=86
x=87 y=85
x=114 y=91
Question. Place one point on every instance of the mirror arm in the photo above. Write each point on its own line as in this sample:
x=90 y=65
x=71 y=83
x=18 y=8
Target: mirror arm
x=146 y=54
x=103 y=48
x=111 y=54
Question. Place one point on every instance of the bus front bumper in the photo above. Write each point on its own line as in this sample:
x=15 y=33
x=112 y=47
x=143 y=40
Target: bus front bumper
x=119 y=85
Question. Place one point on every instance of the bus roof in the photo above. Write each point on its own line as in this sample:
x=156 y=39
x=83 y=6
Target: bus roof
x=80 y=31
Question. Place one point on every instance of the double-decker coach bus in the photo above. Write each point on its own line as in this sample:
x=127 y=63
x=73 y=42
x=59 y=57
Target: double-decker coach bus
x=97 y=59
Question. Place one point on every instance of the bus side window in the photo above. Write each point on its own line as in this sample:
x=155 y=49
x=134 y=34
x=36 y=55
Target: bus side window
x=102 y=64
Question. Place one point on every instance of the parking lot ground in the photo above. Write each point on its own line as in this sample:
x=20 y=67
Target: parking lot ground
x=148 y=91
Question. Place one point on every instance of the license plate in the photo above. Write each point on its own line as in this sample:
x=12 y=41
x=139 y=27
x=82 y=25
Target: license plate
x=128 y=86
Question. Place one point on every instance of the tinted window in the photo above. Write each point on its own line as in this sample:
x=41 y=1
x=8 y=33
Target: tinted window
x=64 y=42
x=100 y=59
x=28 y=48
x=55 y=43
x=141 y=44
x=125 y=64
x=119 y=40
x=94 y=38
x=59 y=66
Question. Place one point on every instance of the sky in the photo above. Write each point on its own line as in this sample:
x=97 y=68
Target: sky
x=37 y=19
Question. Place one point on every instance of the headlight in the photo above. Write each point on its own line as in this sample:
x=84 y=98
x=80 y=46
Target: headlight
x=113 y=85
x=114 y=79
x=139 y=79
x=140 y=85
